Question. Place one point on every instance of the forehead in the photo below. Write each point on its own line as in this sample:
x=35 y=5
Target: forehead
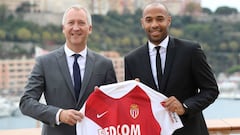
x=75 y=13
x=155 y=10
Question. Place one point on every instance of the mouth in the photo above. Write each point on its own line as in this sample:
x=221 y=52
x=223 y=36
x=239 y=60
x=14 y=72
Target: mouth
x=155 y=33
x=75 y=34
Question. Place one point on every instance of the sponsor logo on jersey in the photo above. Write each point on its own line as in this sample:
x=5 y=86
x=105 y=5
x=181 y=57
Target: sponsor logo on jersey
x=133 y=129
x=134 y=111
x=102 y=114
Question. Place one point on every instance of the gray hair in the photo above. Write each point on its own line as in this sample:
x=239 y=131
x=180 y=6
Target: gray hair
x=89 y=18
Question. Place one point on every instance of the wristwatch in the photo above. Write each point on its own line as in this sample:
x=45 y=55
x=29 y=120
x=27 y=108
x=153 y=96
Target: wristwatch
x=185 y=108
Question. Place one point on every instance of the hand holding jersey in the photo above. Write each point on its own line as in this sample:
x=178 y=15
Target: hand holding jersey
x=172 y=104
x=127 y=108
x=70 y=116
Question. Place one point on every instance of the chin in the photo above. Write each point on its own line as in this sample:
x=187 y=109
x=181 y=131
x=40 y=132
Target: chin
x=158 y=40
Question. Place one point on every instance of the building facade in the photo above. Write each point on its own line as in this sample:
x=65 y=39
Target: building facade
x=176 y=7
x=14 y=72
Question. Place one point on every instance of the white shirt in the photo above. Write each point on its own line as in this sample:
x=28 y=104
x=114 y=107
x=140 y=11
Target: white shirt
x=81 y=61
x=70 y=60
x=153 y=53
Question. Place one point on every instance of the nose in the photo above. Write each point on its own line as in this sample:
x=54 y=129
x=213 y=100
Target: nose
x=154 y=24
x=76 y=27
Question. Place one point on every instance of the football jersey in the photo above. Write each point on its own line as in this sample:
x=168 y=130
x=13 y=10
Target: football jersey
x=126 y=108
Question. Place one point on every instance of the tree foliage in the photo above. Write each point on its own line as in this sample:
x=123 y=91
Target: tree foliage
x=224 y=10
x=123 y=32
x=207 y=11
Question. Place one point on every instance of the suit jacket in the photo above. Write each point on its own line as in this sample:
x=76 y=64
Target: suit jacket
x=51 y=76
x=187 y=76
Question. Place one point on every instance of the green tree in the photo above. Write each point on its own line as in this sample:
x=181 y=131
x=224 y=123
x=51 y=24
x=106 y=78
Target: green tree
x=207 y=11
x=3 y=13
x=2 y=34
x=233 y=69
x=36 y=37
x=126 y=41
x=233 y=45
x=58 y=38
x=225 y=10
x=206 y=47
x=46 y=36
x=24 y=7
x=23 y=34
x=223 y=46
x=176 y=32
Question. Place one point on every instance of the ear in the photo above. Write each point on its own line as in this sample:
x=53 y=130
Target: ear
x=142 y=23
x=169 y=21
x=90 y=29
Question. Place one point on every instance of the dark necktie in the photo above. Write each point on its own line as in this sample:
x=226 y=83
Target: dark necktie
x=158 y=66
x=76 y=76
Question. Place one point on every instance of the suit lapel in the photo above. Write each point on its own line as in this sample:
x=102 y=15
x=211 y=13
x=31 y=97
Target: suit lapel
x=90 y=61
x=171 y=51
x=62 y=63
x=147 y=67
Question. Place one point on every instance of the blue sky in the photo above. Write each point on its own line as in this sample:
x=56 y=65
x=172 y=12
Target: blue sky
x=214 y=4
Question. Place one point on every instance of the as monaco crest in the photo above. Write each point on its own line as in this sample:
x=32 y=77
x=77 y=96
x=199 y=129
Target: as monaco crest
x=134 y=111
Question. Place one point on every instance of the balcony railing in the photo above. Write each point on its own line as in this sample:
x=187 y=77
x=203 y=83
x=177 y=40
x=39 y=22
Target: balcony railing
x=215 y=127
x=224 y=126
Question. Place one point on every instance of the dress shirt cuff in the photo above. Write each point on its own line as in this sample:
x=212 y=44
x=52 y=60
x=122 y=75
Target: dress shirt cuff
x=57 y=117
x=186 y=109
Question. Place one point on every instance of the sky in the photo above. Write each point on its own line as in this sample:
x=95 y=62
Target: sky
x=214 y=4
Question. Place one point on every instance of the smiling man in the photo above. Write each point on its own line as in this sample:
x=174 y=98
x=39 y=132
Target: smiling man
x=174 y=67
x=66 y=77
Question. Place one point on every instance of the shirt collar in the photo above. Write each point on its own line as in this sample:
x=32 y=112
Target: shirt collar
x=69 y=52
x=163 y=44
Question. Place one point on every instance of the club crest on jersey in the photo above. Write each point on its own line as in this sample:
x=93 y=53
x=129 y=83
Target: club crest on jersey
x=134 y=111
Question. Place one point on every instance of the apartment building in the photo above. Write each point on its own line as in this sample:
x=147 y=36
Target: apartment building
x=14 y=72
x=118 y=63
x=176 y=7
x=14 y=4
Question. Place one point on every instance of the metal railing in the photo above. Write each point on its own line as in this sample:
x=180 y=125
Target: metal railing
x=215 y=127
x=224 y=126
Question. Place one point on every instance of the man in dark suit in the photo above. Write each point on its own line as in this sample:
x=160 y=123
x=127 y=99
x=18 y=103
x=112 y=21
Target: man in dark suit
x=184 y=74
x=54 y=76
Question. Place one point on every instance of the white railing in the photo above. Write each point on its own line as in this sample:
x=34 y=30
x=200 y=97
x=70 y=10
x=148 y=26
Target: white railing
x=215 y=127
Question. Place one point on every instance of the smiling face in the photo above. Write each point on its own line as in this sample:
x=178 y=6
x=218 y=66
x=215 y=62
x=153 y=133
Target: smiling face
x=76 y=28
x=156 y=22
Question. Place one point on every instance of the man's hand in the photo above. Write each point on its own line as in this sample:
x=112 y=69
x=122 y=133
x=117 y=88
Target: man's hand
x=70 y=117
x=172 y=104
x=137 y=79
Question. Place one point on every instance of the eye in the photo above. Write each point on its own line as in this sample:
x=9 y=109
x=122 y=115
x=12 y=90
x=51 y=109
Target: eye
x=70 y=22
x=82 y=23
x=160 y=19
x=148 y=20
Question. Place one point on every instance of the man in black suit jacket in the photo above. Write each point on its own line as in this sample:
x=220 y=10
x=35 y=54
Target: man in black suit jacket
x=187 y=79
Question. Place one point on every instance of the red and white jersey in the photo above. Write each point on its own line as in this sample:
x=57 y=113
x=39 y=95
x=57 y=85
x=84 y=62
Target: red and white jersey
x=126 y=108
